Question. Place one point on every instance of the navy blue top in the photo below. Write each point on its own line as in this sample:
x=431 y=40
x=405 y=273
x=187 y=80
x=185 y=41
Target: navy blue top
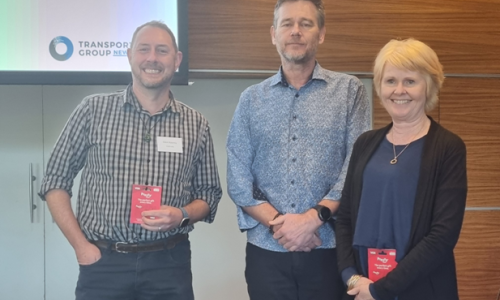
x=387 y=200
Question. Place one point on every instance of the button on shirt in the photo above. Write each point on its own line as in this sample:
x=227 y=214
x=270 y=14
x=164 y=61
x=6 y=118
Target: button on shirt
x=294 y=146
x=107 y=136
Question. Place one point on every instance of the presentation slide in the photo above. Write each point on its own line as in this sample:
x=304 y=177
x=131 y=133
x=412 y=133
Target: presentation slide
x=71 y=35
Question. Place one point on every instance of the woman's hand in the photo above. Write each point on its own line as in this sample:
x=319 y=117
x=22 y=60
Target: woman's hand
x=362 y=289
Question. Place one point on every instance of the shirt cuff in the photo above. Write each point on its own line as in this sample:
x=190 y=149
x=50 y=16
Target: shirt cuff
x=347 y=274
x=245 y=221
x=56 y=182
x=333 y=195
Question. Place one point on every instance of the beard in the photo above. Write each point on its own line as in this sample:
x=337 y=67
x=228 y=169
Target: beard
x=155 y=83
x=297 y=58
x=165 y=80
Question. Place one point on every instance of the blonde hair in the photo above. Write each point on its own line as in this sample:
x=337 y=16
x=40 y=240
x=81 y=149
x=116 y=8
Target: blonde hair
x=412 y=55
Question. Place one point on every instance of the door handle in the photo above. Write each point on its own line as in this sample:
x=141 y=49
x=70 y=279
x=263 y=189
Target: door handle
x=32 y=205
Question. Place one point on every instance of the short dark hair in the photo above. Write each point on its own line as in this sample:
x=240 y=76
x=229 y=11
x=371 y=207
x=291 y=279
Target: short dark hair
x=157 y=24
x=317 y=3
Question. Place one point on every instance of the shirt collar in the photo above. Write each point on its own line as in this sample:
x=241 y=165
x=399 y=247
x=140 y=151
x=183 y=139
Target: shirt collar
x=318 y=74
x=130 y=99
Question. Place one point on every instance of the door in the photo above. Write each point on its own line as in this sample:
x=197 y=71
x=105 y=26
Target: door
x=21 y=213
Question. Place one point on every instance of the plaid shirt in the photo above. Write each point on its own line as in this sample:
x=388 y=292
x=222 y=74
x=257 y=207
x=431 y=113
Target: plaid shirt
x=107 y=136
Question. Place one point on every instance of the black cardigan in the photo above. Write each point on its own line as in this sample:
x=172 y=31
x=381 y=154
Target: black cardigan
x=428 y=269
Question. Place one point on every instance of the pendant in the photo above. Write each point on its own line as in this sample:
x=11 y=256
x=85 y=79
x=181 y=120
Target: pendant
x=147 y=137
x=394 y=161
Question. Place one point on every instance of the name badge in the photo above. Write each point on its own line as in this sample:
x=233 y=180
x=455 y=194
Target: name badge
x=169 y=144
x=144 y=198
x=380 y=262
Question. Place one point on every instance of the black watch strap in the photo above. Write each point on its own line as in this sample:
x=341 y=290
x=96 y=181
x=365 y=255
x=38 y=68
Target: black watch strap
x=324 y=213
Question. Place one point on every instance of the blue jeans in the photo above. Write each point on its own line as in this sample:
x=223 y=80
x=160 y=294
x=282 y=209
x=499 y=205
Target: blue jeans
x=164 y=275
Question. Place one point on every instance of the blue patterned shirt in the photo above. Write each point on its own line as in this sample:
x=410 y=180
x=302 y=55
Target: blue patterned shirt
x=294 y=145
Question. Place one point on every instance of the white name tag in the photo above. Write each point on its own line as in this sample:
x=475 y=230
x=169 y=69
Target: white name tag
x=169 y=144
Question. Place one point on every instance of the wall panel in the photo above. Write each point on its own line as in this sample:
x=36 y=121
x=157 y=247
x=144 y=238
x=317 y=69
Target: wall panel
x=234 y=35
x=463 y=33
x=470 y=107
x=231 y=35
x=478 y=266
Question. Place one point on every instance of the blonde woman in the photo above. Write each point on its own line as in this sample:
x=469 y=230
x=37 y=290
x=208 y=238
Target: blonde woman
x=403 y=201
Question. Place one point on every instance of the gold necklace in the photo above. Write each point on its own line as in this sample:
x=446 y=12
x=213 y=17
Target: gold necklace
x=395 y=159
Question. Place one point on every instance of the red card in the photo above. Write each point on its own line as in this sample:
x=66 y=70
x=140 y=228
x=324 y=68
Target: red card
x=144 y=198
x=380 y=262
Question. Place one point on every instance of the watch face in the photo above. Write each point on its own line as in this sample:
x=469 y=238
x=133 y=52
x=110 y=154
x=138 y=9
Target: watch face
x=185 y=222
x=324 y=213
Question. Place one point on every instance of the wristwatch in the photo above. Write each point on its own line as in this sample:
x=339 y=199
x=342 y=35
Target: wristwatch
x=324 y=213
x=185 y=218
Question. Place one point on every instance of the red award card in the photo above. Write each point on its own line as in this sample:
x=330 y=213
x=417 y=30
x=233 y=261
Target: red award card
x=144 y=198
x=380 y=262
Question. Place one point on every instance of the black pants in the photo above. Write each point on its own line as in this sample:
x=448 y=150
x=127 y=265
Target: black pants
x=293 y=275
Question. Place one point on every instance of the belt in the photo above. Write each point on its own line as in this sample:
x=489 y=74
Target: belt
x=122 y=247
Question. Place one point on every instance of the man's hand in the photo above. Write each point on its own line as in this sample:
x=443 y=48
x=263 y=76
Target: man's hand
x=315 y=242
x=164 y=219
x=298 y=231
x=87 y=254
x=307 y=248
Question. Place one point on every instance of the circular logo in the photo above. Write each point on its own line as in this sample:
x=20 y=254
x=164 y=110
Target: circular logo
x=65 y=41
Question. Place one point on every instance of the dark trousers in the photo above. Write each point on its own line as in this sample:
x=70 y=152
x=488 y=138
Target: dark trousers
x=164 y=275
x=292 y=275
